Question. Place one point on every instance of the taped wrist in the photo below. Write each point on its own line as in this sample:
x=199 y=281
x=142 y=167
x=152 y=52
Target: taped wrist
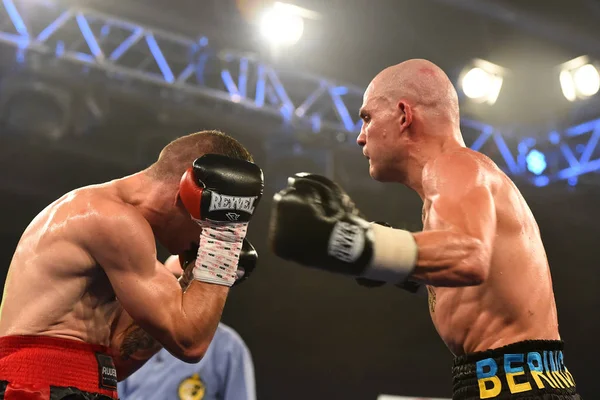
x=394 y=255
x=219 y=252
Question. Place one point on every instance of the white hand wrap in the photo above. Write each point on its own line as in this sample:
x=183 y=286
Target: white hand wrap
x=219 y=252
x=395 y=255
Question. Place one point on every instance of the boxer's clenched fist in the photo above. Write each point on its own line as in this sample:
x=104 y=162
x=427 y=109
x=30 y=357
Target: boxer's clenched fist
x=315 y=223
x=221 y=194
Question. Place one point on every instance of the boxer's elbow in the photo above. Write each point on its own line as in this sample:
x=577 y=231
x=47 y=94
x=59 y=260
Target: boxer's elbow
x=191 y=352
x=194 y=354
x=191 y=345
x=185 y=342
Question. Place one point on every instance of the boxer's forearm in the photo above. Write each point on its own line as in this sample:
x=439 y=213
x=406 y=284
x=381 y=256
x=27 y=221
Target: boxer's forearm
x=195 y=321
x=132 y=342
x=203 y=305
x=436 y=257
x=452 y=259
x=133 y=346
x=186 y=335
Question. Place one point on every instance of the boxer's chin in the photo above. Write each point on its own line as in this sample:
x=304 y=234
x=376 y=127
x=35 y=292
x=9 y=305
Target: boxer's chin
x=377 y=174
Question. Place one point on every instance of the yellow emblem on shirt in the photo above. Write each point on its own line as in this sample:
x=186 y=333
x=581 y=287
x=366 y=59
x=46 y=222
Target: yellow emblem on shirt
x=191 y=388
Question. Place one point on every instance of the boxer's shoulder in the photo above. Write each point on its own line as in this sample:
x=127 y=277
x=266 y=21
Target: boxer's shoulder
x=462 y=159
x=460 y=168
x=99 y=208
x=116 y=221
x=101 y=221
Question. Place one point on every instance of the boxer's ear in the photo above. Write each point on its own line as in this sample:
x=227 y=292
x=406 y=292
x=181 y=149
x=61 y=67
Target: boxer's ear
x=406 y=115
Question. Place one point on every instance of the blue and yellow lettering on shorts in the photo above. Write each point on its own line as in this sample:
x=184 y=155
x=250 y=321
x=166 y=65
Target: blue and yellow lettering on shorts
x=532 y=370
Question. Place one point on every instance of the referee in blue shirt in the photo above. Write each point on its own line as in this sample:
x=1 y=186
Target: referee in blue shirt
x=225 y=373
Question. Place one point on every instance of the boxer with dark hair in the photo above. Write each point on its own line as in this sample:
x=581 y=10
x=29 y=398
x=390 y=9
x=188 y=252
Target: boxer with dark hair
x=85 y=284
x=480 y=253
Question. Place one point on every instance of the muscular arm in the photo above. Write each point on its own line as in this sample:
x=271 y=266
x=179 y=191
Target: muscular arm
x=455 y=246
x=123 y=244
x=132 y=346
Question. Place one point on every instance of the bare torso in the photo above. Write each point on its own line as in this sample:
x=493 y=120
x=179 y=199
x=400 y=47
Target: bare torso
x=54 y=287
x=516 y=301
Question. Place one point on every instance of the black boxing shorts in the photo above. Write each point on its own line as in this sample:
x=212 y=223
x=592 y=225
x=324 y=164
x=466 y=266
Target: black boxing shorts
x=48 y=368
x=528 y=370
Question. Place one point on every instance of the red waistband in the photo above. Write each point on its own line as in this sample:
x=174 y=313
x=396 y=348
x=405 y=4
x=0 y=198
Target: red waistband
x=54 y=362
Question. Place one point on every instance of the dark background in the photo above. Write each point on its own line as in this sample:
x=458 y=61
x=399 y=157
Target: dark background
x=314 y=335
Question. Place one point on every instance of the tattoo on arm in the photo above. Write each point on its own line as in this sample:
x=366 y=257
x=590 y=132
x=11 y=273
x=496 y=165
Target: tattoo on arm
x=431 y=298
x=137 y=341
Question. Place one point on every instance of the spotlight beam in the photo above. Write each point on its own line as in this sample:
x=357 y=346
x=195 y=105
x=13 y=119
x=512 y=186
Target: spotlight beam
x=527 y=21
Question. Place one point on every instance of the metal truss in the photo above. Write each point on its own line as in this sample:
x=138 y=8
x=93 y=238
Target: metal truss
x=125 y=50
x=558 y=156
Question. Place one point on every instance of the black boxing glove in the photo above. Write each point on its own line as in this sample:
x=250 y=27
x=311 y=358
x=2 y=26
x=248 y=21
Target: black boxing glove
x=347 y=205
x=315 y=223
x=221 y=189
x=247 y=264
x=221 y=195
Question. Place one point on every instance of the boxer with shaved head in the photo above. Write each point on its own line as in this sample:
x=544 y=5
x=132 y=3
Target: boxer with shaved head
x=480 y=254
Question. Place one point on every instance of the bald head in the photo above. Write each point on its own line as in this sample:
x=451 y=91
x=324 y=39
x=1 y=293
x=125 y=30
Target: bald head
x=420 y=83
x=410 y=114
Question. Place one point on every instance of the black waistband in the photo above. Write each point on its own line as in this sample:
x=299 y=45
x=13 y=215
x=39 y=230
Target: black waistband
x=528 y=369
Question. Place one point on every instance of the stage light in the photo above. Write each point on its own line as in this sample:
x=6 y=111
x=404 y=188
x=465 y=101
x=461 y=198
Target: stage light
x=281 y=24
x=536 y=162
x=587 y=80
x=541 y=181
x=482 y=81
x=579 y=78
x=572 y=181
